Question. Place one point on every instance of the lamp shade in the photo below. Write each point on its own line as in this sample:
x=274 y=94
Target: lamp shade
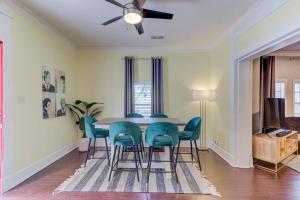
x=204 y=95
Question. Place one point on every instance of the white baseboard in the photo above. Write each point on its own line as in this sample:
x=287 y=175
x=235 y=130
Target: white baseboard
x=23 y=174
x=222 y=153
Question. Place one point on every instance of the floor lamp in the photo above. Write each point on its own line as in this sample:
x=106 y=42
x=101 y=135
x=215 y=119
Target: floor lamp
x=203 y=96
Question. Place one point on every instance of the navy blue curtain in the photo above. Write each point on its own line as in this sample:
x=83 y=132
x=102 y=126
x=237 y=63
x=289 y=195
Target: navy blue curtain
x=157 y=106
x=129 y=78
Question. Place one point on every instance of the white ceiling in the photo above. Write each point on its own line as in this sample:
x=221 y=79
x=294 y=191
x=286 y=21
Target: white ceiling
x=197 y=24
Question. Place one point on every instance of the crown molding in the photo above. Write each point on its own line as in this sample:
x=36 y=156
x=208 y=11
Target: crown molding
x=36 y=18
x=249 y=19
x=143 y=49
x=6 y=10
x=286 y=53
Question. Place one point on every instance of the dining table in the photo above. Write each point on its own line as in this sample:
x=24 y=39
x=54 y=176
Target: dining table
x=143 y=123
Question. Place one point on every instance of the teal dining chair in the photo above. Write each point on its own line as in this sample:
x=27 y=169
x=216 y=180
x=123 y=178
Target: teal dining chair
x=135 y=115
x=191 y=133
x=159 y=116
x=93 y=133
x=162 y=134
x=125 y=134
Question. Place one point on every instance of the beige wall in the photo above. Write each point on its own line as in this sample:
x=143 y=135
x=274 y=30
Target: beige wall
x=33 y=138
x=255 y=85
x=103 y=72
x=288 y=69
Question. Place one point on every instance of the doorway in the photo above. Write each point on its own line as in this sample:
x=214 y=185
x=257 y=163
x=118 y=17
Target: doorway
x=242 y=137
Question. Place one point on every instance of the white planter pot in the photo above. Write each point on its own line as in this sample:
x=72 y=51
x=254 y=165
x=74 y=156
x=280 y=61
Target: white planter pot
x=83 y=144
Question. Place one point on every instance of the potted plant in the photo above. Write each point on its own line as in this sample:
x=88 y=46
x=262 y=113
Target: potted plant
x=79 y=110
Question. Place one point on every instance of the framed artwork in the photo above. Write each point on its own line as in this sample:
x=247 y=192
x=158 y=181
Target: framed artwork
x=48 y=104
x=48 y=77
x=53 y=93
x=60 y=82
x=61 y=108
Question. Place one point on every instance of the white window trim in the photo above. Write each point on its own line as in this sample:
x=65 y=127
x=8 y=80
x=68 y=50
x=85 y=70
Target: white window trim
x=294 y=81
x=285 y=81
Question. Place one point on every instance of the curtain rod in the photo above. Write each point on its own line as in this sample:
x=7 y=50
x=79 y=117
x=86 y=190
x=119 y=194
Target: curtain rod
x=144 y=58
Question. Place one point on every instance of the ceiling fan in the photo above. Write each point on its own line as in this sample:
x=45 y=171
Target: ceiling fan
x=133 y=13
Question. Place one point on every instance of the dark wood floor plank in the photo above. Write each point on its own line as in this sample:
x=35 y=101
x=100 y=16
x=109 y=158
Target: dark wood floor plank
x=232 y=183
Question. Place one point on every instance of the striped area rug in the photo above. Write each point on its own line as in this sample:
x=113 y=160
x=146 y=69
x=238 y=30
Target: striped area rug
x=94 y=178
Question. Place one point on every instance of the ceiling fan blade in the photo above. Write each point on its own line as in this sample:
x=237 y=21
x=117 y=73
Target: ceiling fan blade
x=156 y=14
x=139 y=3
x=115 y=3
x=139 y=28
x=112 y=20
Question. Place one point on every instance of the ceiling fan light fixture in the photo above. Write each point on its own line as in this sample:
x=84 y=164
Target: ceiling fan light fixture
x=132 y=16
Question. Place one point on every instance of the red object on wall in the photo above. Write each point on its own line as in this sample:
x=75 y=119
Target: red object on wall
x=1 y=112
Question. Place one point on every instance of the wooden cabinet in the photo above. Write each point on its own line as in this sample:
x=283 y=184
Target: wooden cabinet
x=272 y=149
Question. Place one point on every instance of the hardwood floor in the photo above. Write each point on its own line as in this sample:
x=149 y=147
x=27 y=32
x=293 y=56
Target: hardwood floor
x=232 y=183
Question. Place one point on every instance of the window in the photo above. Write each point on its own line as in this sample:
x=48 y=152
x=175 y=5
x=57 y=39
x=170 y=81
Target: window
x=280 y=89
x=296 y=98
x=142 y=98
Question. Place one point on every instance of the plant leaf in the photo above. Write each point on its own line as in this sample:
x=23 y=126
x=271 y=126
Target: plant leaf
x=96 y=110
x=77 y=102
x=92 y=104
x=96 y=113
x=77 y=108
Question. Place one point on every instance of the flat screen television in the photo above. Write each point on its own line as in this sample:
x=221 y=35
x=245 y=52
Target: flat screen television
x=274 y=114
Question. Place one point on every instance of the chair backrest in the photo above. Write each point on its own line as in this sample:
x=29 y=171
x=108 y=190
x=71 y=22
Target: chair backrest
x=89 y=127
x=194 y=125
x=125 y=128
x=167 y=129
x=159 y=116
x=135 y=115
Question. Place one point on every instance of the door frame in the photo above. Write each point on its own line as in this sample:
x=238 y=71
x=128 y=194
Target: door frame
x=242 y=137
x=6 y=17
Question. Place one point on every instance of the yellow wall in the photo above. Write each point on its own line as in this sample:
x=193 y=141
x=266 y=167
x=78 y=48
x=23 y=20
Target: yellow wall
x=103 y=72
x=33 y=46
x=220 y=116
x=280 y=22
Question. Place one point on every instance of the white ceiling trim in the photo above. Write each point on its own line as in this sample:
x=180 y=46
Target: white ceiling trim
x=5 y=10
x=28 y=13
x=249 y=19
x=143 y=49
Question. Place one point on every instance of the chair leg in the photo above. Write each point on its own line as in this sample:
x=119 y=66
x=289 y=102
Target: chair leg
x=141 y=151
x=112 y=163
x=177 y=153
x=118 y=156
x=107 y=153
x=136 y=162
x=94 y=148
x=123 y=149
x=88 y=152
x=173 y=164
x=149 y=163
x=197 y=152
x=138 y=153
x=143 y=146
x=191 y=143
